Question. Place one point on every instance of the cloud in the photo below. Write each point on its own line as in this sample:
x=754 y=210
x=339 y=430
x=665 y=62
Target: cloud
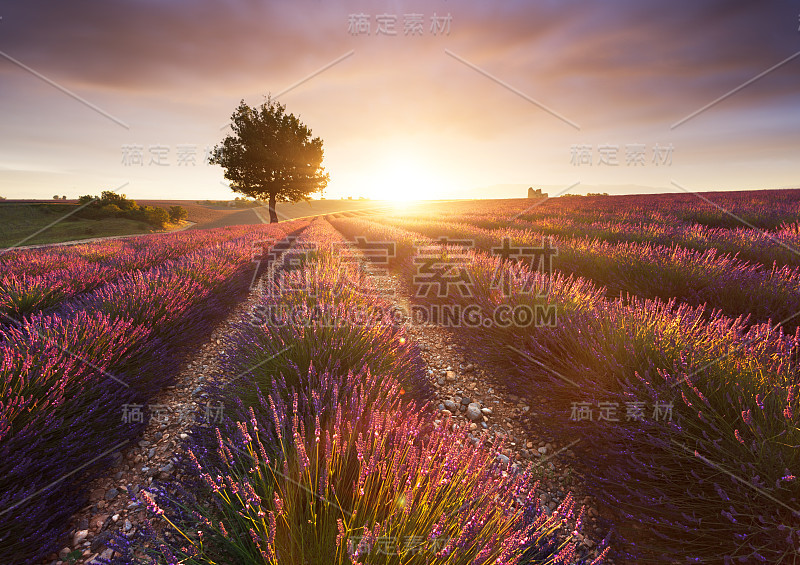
x=621 y=69
x=143 y=46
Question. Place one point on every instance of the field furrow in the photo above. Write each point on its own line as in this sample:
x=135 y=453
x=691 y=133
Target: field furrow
x=730 y=388
x=720 y=282
x=66 y=377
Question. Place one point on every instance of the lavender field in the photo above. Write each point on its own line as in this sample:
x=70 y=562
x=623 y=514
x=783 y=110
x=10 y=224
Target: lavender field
x=631 y=394
x=415 y=282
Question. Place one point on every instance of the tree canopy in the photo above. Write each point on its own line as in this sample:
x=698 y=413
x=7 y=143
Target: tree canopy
x=271 y=155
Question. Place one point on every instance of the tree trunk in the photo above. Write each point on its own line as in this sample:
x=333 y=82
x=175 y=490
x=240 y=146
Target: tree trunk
x=273 y=216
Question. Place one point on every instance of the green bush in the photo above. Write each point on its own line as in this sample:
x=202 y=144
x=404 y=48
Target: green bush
x=108 y=197
x=110 y=210
x=111 y=204
x=177 y=214
x=157 y=217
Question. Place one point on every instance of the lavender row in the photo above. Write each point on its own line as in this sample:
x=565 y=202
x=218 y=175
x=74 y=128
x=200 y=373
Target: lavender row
x=761 y=209
x=780 y=246
x=35 y=279
x=302 y=310
x=332 y=455
x=66 y=375
x=646 y=219
x=366 y=479
x=720 y=476
x=117 y=252
x=721 y=282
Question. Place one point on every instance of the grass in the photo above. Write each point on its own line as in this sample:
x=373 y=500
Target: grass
x=18 y=221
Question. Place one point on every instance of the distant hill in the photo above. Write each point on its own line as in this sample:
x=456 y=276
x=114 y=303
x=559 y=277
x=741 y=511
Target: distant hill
x=31 y=222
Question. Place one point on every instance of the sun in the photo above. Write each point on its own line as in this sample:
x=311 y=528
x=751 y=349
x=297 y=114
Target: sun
x=403 y=178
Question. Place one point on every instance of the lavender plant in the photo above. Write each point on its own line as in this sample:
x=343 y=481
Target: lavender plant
x=37 y=279
x=67 y=375
x=327 y=315
x=733 y=391
x=721 y=282
x=369 y=481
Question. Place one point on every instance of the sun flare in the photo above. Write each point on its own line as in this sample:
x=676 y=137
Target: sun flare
x=403 y=178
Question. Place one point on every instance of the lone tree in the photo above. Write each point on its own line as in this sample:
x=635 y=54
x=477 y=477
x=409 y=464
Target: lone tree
x=271 y=156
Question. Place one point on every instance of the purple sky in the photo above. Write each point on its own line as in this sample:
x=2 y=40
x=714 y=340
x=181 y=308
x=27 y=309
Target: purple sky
x=408 y=115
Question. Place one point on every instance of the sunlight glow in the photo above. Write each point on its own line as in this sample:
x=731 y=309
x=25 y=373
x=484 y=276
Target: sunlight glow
x=403 y=178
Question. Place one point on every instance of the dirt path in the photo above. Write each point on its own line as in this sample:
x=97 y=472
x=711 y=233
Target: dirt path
x=465 y=386
x=461 y=378
x=169 y=416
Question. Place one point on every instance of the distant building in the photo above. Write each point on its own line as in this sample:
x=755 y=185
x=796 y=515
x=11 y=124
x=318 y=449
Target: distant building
x=536 y=193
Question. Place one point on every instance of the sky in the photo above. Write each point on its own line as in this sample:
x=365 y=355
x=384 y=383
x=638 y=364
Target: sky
x=435 y=99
